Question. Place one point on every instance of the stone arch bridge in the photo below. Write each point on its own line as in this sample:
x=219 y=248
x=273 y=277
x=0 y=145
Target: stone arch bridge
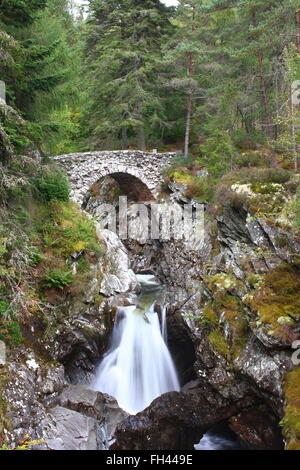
x=138 y=173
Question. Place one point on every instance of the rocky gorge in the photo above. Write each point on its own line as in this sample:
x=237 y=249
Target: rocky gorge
x=232 y=314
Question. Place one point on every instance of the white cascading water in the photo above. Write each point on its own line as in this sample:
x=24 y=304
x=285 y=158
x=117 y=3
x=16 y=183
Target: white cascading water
x=138 y=366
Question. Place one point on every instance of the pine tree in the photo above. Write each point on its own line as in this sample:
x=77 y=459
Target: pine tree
x=185 y=52
x=19 y=13
x=41 y=70
x=55 y=82
x=123 y=47
x=255 y=33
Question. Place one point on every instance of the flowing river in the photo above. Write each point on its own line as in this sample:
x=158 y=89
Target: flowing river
x=138 y=366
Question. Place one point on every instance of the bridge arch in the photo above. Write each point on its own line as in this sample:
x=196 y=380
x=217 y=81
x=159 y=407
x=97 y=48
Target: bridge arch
x=139 y=174
x=133 y=187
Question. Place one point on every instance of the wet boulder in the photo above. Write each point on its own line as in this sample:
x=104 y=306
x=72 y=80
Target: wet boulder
x=174 y=421
x=65 y=429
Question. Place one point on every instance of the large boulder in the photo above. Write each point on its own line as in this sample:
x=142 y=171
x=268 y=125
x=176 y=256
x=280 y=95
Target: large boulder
x=27 y=382
x=65 y=429
x=97 y=405
x=118 y=277
x=174 y=421
x=257 y=429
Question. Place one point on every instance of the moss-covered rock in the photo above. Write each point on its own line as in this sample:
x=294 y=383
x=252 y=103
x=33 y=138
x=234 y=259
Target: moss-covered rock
x=291 y=420
x=5 y=422
x=218 y=343
x=278 y=297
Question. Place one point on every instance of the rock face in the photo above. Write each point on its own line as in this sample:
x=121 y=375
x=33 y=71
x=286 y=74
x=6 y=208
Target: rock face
x=119 y=278
x=26 y=383
x=174 y=421
x=232 y=319
x=35 y=400
x=68 y=430
x=36 y=397
x=82 y=420
x=80 y=337
x=138 y=173
x=228 y=310
x=99 y=406
x=258 y=431
x=219 y=332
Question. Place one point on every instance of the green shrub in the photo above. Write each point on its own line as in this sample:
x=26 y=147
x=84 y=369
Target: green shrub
x=257 y=175
x=252 y=159
x=52 y=185
x=69 y=230
x=58 y=279
x=83 y=265
x=35 y=256
x=4 y=307
x=200 y=189
x=10 y=332
x=9 y=328
x=225 y=196
x=245 y=140
x=218 y=153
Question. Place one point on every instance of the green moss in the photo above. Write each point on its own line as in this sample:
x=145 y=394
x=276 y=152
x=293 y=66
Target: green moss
x=267 y=206
x=226 y=309
x=66 y=230
x=238 y=329
x=278 y=295
x=222 y=281
x=291 y=421
x=98 y=300
x=200 y=189
x=210 y=314
x=266 y=188
x=4 y=419
x=218 y=343
x=282 y=241
x=259 y=189
x=232 y=314
x=253 y=279
x=81 y=280
x=182 y=177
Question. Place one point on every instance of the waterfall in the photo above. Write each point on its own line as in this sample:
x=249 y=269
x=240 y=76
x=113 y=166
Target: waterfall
x=164 y=324
x=138 y=366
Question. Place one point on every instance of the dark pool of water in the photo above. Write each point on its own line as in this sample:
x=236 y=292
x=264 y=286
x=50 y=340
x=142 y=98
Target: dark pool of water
x=220 y=437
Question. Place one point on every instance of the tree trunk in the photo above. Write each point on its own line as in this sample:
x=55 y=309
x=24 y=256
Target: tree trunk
x=264 y=95
x=141 y=138
x=124 y=138
x=189 y=108
x=188 y=126
x=293 y=132
x=190 y=93
x=277 y=128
